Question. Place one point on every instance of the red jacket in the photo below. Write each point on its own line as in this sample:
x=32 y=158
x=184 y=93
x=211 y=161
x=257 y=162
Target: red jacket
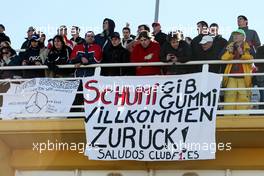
x=91 y=48
x=69 y=43
x=149 y=54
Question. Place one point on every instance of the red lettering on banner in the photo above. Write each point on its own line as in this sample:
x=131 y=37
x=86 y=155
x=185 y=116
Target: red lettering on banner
x=126 y=96
x=88 y=87
x=103 y=96
x=121 y=96
x=154 y=98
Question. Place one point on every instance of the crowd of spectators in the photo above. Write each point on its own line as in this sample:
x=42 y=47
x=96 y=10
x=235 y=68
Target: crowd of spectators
x=146 y=46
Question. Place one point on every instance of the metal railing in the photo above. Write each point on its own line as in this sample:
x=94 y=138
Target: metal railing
x=160 y=64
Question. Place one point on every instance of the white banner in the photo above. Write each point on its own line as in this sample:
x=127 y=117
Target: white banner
x=151 y=117
x=40 y=95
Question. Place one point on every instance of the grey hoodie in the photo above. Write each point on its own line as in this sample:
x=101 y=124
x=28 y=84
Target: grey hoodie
x=251 y=37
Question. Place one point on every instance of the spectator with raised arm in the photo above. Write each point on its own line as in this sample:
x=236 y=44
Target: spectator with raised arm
x=145 y=52
x=63 y=31
x=238 y=49
x=131 y=45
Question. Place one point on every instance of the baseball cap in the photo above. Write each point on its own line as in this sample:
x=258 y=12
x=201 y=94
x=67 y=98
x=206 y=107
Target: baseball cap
x=206 y=39
x=115 y=35
x=239 y=31
x=31 y=28
x=35 y=37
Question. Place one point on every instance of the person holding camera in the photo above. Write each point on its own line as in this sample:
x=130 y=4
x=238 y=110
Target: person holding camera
x=175 y=50
x=238 y=49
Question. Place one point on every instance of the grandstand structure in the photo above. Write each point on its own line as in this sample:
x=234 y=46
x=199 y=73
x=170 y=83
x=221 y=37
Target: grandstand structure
x=20 y=139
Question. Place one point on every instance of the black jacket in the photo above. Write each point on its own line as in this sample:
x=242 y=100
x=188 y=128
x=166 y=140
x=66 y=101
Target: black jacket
x=161 y=38
x=4 y=37
x=183 y=53
x=259 y=80
x=260 y=55
x=58 y=57
x=220 y=43
x=103 y=39
x=31 y=56
x=210 y=54
x=26 y=44
x=116 y=54
x=78 y=40
x=14 y=61
x=196 y=47
x=198 y=54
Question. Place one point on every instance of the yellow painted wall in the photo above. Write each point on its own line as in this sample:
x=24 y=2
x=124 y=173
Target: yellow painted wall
x=5 y=154
x=16 y=137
